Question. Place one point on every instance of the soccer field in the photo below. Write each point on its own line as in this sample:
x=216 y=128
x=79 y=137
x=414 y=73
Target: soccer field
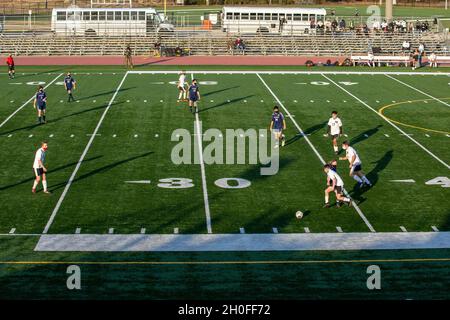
x=115 y=187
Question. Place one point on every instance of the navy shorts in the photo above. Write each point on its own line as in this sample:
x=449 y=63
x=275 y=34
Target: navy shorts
x=38 y=172
x=42 y=106
x=338 y=189
x=11 y=67
x=357 y=168
x=334 y=136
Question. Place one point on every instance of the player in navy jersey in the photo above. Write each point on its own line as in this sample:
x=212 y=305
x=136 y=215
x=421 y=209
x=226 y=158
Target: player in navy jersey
x=277 y=125
x=194 y=96
x=70 y=85
x=40 y=104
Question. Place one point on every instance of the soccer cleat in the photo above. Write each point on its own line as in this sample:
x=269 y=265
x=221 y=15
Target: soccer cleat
x=360 y=185
x=283 y=143
x=33 y=190
x=350 y=203
x=47 y=192
x=326 y=205
x=338 y=204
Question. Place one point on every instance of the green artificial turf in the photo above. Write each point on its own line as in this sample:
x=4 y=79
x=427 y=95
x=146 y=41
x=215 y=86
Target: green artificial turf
x=134 y=143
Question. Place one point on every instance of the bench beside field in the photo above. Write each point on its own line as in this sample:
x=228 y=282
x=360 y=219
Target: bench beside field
x=441 y=60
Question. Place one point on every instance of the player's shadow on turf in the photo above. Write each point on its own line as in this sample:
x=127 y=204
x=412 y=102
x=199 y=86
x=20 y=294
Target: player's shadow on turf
x=373 y=175
x=365 y=135
x=20 y=129
x=225 y=103
x=105 y=93
x=218 y=91
x=101 y=170
x=309 y=131
x=28 y=180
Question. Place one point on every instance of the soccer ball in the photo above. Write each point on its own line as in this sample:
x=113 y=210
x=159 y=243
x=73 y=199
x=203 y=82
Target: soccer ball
x=299 y=214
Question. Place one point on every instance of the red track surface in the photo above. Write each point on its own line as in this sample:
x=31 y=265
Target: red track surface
x=191 y=60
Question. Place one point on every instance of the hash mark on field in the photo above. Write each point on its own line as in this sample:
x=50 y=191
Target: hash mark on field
x=142 y=230
x=135 y=135
x=30 y=136
x=72 y=135
x=366 y=135
x=51 y=136
x=403 y=229
x=176 y=230
x=78 y=230
x=312 y=101
x=145 y=101
x=9 y=135
x=435 y=229
x=427 y=135
x=386 y=135
x=339 y=229
x=12 y=231
x=156 y=135
x=307 y=230
x=275 y=230
x=111 y=230
x=114 y=135
x=241 y=230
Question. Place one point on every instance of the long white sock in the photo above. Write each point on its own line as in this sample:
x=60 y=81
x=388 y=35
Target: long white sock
x=358 y=179
x=184 y=95
x=180 y=95
x=366 y=181
x=327 y=197
x=35 y=183
x=336 y=148
x=44 y=183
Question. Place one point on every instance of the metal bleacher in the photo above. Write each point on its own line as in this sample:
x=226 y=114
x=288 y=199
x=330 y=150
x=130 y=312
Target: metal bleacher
x=215 y=43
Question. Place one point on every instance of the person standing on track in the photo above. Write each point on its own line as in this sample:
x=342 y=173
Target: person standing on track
x=128 y=57
x=40 y=171
x=11 y=67
x=40 y=104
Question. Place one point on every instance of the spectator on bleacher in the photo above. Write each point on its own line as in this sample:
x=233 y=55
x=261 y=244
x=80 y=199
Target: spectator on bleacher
x=320 y=25
x=334 y=25
x=327 y=26
x=410 y=27
x=342 y=25
x=384 y=26
x=421 y=50
x=281 y=24
x=333 y=12
x=356 y=12
x=351 y=25
x=157 y=48
x=239 y=45
x=312 y=23
x=370 y=59
x=406 y=46
x=432 y=59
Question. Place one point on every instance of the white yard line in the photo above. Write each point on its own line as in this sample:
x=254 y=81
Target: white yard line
x=358 y=210
x=83 y=155
x=219 y=72
x=203 y=171
x=418 y=90
x=388 y=121
x=29 y=100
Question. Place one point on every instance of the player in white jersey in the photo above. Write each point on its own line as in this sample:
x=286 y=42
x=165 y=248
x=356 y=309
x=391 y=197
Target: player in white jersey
x=334 y=130
x=355 y=165
x=39 y=169
x=334 y=184
x=182 y=87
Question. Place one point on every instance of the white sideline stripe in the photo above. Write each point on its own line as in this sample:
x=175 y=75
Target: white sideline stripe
x=435 y=229
x=388 y=121
x=307 y=230
x=299 y=72
x=244 y=242
x=339 y=229
x=358 y=210
x=275 y=230
x=403 y=229
x=12 y=231
x=241 y=230
x=418 y=90
x=77 y=167
x=203 y=172
x=78 y=231
x=28 y=101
